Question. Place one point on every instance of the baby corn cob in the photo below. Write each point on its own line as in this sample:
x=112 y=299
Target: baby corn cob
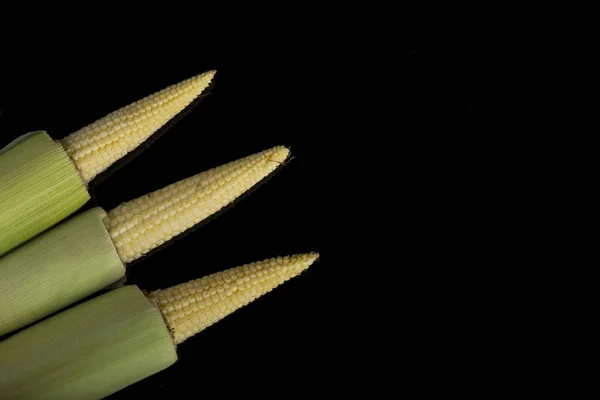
x=43 y=181
x=192 y=307
x=99 y=347
x=143 y=224
x=87 y=252
x=97 y=146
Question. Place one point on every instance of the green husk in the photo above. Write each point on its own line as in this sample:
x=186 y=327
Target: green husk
x=39 y=186
x=57 y=268
x=89 y=351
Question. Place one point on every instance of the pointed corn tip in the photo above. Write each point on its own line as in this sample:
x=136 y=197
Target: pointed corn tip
x=280 y=154
x=312 y=257
x=192 y=307
x=97 y=146
x=139 y=226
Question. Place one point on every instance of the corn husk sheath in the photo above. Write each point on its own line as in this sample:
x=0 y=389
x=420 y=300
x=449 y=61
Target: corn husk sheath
x=87 y=352
x=39 y=186
x=65 y=264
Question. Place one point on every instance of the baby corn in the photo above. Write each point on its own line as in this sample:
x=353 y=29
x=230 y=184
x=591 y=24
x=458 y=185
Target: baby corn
x=103 y=345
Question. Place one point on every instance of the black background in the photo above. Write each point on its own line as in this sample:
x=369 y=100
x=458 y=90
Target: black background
x=419 y=174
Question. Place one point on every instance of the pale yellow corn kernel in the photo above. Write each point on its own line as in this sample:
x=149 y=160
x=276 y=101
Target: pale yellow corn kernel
x=97 y=146
x=140 y=225
x=192 y=307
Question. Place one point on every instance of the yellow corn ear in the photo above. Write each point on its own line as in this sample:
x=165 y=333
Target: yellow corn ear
x=191 y=307
x=96 y=147
x=141 y=225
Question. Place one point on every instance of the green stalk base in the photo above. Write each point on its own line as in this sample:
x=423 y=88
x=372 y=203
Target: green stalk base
x=89 y=351
x=39 y=186
x=59 y=267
